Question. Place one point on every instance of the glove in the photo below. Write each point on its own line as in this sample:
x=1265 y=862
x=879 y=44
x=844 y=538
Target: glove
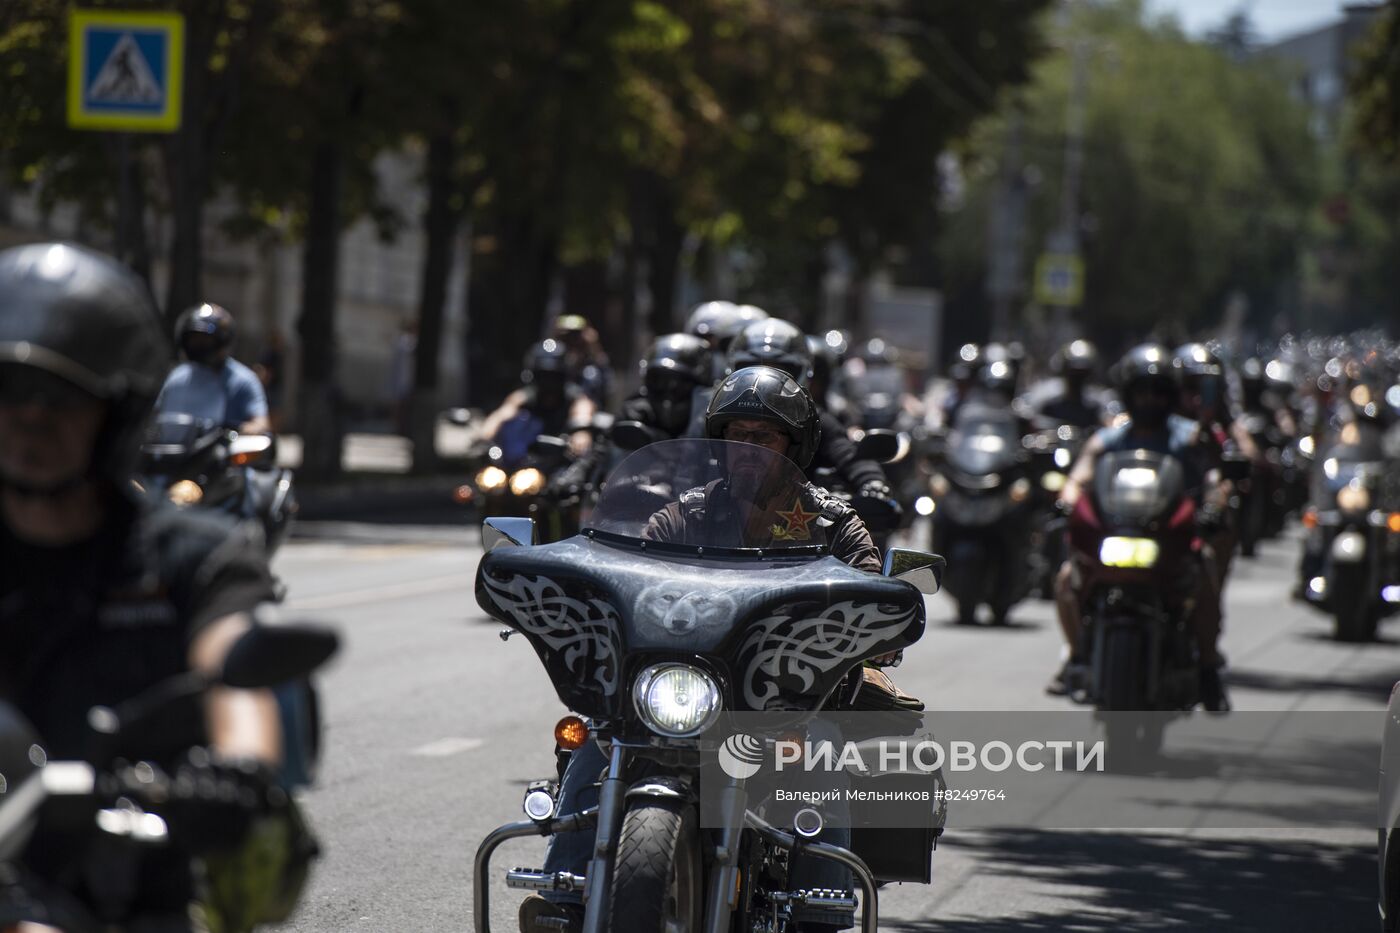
x=213 y=804
x=876 y=505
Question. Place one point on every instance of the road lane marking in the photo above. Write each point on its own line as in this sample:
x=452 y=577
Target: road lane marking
x=447 y=747
x=377 y=594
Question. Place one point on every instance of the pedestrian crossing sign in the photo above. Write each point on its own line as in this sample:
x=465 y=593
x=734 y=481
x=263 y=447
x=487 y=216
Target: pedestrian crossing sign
x=1059 y=279
x=125 y=70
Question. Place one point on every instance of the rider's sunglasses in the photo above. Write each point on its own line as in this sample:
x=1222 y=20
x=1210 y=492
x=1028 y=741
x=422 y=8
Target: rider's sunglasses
x=763 y=438
x=26 y=385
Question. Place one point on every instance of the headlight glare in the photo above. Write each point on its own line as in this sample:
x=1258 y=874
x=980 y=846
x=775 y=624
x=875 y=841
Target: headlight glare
x=1353 y=498
x=491 y=478
x=676 y=700
x=1129 y=552
x=527 y=482
x=185 y=492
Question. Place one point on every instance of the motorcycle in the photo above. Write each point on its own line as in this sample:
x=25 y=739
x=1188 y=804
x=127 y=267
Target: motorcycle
x=96 y=818
x=1131 y=538
x=983 y=504
x=1263 y=498
x=1351 y=551
x=191 y=461
x=1053 y=451
x=649 y=638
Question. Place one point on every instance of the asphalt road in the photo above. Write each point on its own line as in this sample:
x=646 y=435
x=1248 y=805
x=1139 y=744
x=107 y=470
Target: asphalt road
x=435 y=725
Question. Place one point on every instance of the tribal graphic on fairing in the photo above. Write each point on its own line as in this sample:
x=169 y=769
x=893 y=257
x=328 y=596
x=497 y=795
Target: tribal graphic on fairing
x=585 y=633
x=786 y=653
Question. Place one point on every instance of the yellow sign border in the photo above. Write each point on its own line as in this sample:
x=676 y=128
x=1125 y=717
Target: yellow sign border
x=168 y=120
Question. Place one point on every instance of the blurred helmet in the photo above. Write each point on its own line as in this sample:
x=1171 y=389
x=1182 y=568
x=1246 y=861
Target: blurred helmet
x=84 y=318
x=998 y=376
x=713 y=318
x=967 y=363
x=824 y=360
x=876 y=352
x=772 y=343
x=674 y=367
x=1077 y=356
x=762 y=393
x=544 y=358
x=839 y=343
x=205 y=334
x=1196 y=359
x=567 y=324
x=1147 y=366
x=1281 y=376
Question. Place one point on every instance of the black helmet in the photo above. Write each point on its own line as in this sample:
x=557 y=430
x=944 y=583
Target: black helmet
x=674 y=367
x=547 y=356
x=772 y=343
x=1077 y=356
x=1148 y=365
x=204 y=333
x=967 y=364
x=81 y=316
x=767 y=394
x=1196 y=360
x=877 y=352
x=998 y=376
x=824 y=359
x=712 y=319
x=683 y=355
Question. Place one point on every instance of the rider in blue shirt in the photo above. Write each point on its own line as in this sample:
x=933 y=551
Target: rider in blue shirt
x=210 y=384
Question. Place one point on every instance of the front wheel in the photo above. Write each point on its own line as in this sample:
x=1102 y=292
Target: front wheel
x=658 y=880
x=1355 y=617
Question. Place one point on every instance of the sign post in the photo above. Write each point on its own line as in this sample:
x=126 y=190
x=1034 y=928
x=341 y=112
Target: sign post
x=125 y=74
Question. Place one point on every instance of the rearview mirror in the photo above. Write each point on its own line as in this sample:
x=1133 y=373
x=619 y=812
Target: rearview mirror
x=923 y=570
x=633 y=435
x=507 y=532
x=249 y=448
x=268 y=655
x=882 y=445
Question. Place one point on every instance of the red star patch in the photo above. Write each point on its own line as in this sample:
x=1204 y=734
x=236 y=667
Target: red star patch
x=797 y=521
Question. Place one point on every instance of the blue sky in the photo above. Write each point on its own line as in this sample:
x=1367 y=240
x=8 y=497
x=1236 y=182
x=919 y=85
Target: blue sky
x=1274 y=19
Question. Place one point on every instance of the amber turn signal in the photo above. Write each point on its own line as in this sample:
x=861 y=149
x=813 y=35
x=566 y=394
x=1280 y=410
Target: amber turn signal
x=1310 y=518
x=463 y=494
x=1393 y=522
x=570 y=733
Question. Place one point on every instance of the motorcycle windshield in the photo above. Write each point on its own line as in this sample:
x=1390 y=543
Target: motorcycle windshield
x=1136 y=486
x=172 y=434
x=705 y=495
x=983 y=447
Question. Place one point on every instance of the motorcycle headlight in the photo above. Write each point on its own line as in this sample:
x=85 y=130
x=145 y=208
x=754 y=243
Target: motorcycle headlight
x=1053 y=481
x=1353 y=498
x=1020 y=490
x=676 y=700
x=185 y=492
x=1129 y=552
x=491 y=478
x=527 y=482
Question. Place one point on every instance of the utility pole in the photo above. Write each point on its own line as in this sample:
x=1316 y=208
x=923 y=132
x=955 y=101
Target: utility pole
x=1005 y=269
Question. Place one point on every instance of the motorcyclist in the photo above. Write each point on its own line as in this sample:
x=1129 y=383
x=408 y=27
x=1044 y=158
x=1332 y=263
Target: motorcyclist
x=210 y=384
x=546 y=403
x=1147 y=383
x=757 y=405
x=1074 y=364
x=588 y=365
x=962 y=380
x=718 y=323
x=781 y=345
x=675 y=376
x=826 y=361
x=104 y=593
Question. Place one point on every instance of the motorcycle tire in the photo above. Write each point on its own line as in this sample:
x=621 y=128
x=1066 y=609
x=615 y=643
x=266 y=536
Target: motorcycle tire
x=1353 y=615
x=1124 y=673
x=967 y=612
x=658 y=876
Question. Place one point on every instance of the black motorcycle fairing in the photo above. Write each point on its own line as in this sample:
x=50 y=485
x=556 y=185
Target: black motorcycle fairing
x=983 y=448
x=785 y=631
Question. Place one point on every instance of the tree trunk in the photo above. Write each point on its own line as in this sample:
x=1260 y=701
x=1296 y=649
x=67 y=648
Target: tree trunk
x=668 y=238
x=513 y=262
x=318 y=413
x=440 y=225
